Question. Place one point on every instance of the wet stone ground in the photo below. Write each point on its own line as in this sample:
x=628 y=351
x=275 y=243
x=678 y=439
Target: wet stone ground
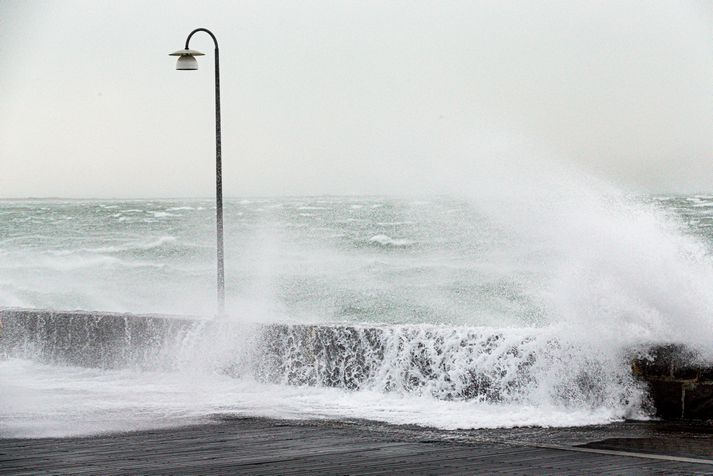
x=264 y=446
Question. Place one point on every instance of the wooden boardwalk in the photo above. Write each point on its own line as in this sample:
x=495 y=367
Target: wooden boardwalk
x=263 y=446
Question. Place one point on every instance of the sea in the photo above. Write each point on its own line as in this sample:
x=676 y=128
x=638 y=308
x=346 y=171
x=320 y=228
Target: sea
x=574 y=282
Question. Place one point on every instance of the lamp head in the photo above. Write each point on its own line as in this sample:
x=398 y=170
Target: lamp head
x=186 y=59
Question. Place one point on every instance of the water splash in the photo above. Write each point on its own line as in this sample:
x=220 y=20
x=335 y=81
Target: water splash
x=486 y=366
x=525 y=295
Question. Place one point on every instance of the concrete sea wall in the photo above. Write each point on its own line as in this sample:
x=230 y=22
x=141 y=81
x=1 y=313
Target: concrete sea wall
x=105 y=340
x=450 y=364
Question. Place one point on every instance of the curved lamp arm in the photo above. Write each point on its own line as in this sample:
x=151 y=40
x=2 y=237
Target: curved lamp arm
x=215 y=41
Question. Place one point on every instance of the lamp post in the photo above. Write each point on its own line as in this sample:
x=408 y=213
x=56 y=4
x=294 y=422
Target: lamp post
x=187 y=62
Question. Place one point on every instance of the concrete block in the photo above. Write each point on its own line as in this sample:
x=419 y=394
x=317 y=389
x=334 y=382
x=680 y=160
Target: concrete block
x=667 y=397
x=698 y=401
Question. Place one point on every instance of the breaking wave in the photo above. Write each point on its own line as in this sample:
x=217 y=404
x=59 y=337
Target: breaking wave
x=495 y=369
x=385 y=240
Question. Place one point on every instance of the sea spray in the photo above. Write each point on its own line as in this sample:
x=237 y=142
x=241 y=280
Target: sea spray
x=619 y=269
x=518 y=366
x=547 y=284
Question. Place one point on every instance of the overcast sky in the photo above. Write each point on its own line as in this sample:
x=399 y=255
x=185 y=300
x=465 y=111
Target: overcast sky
x=328 y=97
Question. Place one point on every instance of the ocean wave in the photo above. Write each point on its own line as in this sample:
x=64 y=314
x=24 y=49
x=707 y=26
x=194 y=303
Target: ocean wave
x=468 y=372
x=76 y=401
x=538 y=366
x=64 y=263
x=385 y=240
x=143 y=246
x=395 y=223
x=135 y=246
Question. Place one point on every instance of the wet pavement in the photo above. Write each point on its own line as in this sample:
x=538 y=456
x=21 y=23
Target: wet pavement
x=265 y=446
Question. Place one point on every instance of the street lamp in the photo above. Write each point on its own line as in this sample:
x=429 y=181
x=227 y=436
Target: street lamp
x=187 y=62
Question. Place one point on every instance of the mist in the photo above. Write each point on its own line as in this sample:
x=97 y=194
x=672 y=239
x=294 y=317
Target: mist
x=351 y=97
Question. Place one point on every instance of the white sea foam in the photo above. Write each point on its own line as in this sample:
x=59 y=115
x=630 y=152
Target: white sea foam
x=386 y=240
x=68 y=263
x=394 y=223
x=40 y=401
x=142 y=245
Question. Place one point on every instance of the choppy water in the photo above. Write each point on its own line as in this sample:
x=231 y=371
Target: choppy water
x=361 y=259
x=598 y=273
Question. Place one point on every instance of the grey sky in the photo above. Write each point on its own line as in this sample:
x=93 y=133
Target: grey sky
x=349 y=97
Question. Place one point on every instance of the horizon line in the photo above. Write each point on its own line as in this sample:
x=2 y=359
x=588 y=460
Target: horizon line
x=345 y=195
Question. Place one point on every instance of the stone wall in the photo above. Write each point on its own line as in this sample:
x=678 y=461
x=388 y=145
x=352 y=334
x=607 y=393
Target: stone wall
x=681 y=386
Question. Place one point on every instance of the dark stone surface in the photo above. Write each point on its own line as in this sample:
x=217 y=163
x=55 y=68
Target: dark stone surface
x=686 y=372
x=681 y=384
x=668 y=398
x=674 y=361
x=698 y=401
x=656 y=363
x=687 y=447
x=706 y=374
x=262 y=446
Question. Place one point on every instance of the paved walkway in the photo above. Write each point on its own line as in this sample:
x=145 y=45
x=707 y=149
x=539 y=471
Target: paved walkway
x=263 y=446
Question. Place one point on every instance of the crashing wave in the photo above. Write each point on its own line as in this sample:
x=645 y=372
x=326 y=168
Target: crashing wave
x=385 y=240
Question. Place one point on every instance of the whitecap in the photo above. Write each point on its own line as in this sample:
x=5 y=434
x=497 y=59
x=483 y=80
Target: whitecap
x=386 y=240
x=133 y=246
x=394 y=223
